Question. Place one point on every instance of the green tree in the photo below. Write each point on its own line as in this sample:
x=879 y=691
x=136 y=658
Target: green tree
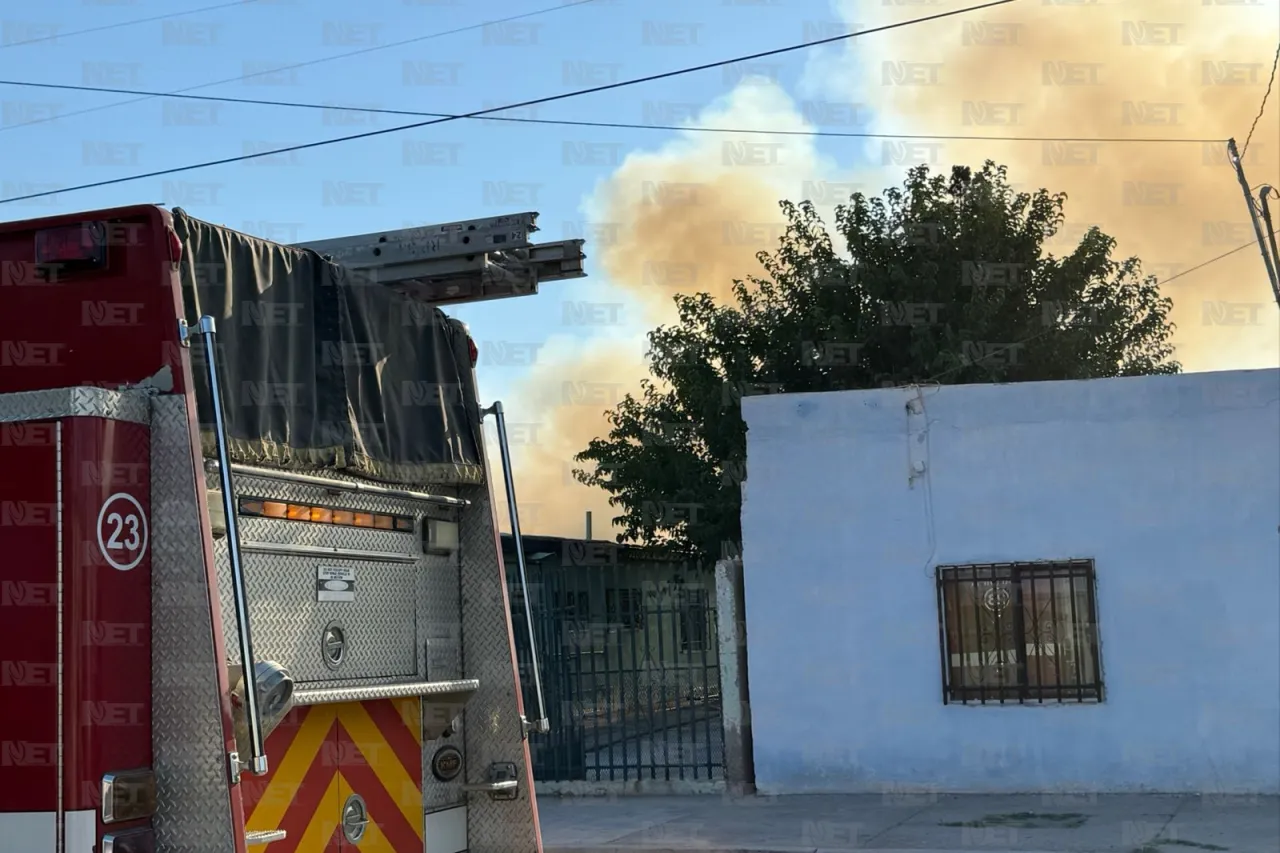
x=945 y=280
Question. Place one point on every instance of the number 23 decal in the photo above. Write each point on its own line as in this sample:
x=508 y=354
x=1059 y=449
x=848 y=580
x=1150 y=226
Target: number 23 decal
x=122 y=531
x=117 y=523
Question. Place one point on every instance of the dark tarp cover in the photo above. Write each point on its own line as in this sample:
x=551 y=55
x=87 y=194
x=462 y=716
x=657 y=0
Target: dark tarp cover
x=322 y=369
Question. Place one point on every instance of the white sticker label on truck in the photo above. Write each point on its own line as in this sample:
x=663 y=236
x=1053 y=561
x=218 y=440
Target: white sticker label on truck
x=335 y=583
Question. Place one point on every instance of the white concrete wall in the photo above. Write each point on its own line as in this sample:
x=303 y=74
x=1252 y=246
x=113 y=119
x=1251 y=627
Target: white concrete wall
x=1171 y=484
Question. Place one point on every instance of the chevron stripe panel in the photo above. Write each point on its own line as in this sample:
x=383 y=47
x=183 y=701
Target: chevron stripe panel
x=320 y=755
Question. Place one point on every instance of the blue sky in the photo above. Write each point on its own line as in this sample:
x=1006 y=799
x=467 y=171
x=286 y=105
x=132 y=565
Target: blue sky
x=473 y=169
x=459 y=170
x=468 y=169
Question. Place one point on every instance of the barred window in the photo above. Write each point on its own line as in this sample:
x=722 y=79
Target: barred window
x=1022 y=633
x=625 y=607
x=575 y=606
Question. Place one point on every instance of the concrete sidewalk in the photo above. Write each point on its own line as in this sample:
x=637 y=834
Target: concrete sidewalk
x=938 y=823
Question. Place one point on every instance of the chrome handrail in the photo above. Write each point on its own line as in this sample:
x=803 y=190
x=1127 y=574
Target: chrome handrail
x=541 y=725
x=257 y=752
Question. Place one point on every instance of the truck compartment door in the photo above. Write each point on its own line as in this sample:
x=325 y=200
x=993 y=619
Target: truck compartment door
x=28 y=638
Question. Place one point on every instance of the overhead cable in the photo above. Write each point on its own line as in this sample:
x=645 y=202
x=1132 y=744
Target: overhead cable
x=568 y=4
x=612 y=125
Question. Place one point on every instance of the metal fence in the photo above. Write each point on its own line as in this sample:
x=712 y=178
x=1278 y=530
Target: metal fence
x=630 y=669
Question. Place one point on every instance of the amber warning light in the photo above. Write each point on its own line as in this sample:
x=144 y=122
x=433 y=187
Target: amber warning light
x=82 y=246
x=262 y=508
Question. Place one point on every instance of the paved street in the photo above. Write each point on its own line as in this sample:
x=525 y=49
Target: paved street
x=933 y=823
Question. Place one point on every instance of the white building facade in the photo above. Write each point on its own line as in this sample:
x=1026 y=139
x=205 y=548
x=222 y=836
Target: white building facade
x=1034 y=587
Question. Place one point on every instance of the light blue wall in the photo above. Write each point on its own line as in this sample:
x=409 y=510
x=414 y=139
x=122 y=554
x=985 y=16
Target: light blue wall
x=1171 y=484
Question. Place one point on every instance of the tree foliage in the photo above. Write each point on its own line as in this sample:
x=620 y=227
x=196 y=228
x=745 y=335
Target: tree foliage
x=945 y=280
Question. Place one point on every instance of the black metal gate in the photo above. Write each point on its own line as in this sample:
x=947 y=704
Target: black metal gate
x=630 y=667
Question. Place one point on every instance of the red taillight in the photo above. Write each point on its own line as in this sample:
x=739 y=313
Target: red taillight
x=472 y=352
x=83 y=245
x=175 y=247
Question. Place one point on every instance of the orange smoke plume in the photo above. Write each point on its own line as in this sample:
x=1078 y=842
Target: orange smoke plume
x=691 y=216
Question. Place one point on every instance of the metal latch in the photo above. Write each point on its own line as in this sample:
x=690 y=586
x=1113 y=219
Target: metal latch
x=503 y=784
x=355 y=818
x=542 y=726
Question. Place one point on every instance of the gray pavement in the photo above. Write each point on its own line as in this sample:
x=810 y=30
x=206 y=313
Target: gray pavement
x=937 y=823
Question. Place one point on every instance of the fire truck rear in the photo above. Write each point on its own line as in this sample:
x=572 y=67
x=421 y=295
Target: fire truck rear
x=251 y=592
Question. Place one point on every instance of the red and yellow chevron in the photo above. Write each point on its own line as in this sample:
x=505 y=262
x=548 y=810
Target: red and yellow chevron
x=320 y=755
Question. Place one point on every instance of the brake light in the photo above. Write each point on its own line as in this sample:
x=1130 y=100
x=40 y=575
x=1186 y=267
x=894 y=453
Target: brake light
x=83 y=245
x=472 y=352
x=175 y=247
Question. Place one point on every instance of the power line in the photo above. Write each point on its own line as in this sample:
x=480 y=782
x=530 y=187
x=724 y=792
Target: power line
x=933 y=379
x=569 y=4
x=122 y=24
x=1213 y=260
x=615 y=125
x=1261 y=109
x=536 y=101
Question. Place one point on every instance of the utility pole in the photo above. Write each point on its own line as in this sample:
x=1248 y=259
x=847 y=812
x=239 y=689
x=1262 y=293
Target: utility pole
x=1263 y=195
x=1266 y=239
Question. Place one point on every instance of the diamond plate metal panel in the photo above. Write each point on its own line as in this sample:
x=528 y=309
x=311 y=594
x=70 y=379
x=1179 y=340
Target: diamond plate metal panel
x=430 y=591
x=306 y=533
x=493 y=732
x=288 y=623
x=440 y=606
x=193 y=799
x=80 y=401
x=440 y=603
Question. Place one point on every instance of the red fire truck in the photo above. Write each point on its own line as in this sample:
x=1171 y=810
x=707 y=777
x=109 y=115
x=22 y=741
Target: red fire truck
x=250 y=585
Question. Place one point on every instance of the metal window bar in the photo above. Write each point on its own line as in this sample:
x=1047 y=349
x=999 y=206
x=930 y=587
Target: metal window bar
x=1057 y=632
x=998 y=653
x=982 y=681
x=1037 y=639
x=1019 y=638
x=1091 y=629
x=1015 y=587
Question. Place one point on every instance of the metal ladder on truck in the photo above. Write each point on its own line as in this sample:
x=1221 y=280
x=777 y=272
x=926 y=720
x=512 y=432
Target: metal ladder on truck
x=469 y=261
